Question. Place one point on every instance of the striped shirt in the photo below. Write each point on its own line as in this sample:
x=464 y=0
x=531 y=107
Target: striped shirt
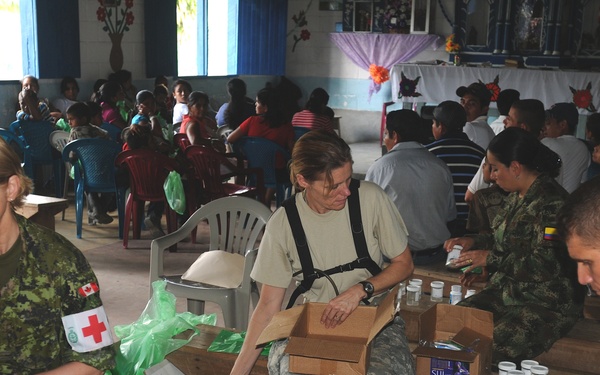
x=463 y=158
x=313 y=121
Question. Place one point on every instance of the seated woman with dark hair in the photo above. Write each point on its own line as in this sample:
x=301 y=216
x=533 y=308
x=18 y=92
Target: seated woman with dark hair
x=316 y=113
x=533 y=290
x=269 y=123
x=239 y=107
x=69 y=89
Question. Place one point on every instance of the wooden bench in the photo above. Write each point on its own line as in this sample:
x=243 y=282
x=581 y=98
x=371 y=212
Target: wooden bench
x=576 y=353
x=41 y=209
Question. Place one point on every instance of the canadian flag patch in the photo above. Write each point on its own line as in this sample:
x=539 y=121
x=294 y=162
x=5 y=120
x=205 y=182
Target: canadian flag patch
x=88 y=289
x=88 y=330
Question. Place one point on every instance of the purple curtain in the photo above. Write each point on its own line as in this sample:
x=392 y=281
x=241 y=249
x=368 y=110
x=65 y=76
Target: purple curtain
x=384 y=50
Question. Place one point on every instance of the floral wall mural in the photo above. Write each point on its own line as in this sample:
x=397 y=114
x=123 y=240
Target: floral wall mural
x=299 y=31
x=117 y=17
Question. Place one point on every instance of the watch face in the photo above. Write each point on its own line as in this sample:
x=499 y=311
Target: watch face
x=368 y=287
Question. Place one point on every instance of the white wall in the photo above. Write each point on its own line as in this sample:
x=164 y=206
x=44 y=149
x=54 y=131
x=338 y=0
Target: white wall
x=316 y=62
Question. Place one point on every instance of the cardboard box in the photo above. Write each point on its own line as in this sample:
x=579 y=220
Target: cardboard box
x=463 y=325
x=343 y=350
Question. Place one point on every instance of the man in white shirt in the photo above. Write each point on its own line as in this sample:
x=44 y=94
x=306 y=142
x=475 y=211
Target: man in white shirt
x=505 y=99
x=527 y=114
x=475 y=99
x=559 y=130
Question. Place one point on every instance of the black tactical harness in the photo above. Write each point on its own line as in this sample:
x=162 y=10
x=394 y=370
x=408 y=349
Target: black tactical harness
x=310 y=274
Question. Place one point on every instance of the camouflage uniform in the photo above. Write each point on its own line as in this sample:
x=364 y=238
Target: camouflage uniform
x=32 y=303
x=533 y=291
x=484 y=208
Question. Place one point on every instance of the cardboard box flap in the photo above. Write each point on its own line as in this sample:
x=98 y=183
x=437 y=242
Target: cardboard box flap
x=385 y=313
x=469 y=338
x=455 y=355
x=326 y=349
x=281 y=325
x=480 y=321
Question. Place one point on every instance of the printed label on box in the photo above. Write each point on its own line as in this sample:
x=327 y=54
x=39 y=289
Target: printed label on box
x=447 y=367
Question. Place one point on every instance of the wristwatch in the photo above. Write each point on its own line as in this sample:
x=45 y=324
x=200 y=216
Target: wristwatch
x=368 y=288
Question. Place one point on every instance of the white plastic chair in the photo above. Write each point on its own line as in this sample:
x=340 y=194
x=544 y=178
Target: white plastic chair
x=235 y=225
x=58 y=140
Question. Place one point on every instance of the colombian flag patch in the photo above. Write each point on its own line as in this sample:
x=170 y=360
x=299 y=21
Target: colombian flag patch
x=550 y=234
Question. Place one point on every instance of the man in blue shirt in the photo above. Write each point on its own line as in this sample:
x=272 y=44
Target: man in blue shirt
x=419 y=184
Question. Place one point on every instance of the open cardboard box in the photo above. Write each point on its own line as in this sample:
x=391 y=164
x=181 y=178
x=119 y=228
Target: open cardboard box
x=466 y=326
x=314 y=349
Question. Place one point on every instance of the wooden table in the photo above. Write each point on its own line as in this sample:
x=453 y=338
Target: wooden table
x=41 y=209
x=194 y=359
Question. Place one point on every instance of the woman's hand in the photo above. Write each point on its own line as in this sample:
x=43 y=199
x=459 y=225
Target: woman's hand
x=472 y=259
x=467 y=279
x=465 y=242
x=339 y=308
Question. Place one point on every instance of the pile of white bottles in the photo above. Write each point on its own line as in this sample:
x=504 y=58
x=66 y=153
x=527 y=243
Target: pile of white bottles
x=528 y=367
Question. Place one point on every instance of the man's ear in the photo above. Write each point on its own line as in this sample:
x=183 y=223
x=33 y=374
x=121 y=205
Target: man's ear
x=395 y=137
x=564 y=127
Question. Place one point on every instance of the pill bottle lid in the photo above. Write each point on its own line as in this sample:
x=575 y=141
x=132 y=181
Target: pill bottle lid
x=527 y=363
x=539 y=370
x=412 y=288
x=506 y=365
x=437 y=284
x=416 y=282
x=515 y=372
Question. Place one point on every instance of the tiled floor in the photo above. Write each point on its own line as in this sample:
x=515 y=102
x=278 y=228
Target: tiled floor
x=123 y=274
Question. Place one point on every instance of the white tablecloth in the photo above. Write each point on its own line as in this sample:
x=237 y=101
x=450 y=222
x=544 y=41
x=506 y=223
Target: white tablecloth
x=438 y=83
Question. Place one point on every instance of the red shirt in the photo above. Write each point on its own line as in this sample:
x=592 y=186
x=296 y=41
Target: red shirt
x=256 y=126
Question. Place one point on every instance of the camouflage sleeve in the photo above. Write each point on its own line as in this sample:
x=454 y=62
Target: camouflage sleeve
x=76 y=273
x=538 y=247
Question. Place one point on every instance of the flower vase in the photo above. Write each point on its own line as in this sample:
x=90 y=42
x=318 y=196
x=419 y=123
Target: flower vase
x=116 y=52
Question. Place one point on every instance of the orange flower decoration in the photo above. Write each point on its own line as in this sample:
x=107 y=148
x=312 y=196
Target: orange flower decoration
x=379 y=74
x=451 y=45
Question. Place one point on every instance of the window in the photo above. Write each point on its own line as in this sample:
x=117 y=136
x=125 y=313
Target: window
x=11 y=63
x=205 y=44
x=30 y=46
x=215 y=37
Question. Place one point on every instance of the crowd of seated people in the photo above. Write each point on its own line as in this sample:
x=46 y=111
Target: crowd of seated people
x=493 y=187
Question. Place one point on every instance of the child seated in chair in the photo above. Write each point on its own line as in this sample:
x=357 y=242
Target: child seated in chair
x=199 y=128
x=145 y=130
x=31 y=106
x=78 y=116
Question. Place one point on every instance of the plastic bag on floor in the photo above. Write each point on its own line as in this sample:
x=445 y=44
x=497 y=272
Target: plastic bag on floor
x=147 y=341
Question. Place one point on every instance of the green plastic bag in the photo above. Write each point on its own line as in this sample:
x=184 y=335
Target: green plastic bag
x=147 y=341
x=231 y=342
x=175 y=193
x=61 y=124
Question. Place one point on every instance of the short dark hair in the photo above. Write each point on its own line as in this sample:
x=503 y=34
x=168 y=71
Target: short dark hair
x=79 y=110
x=196 y=96
x=580 y=214
x=531 y=112
x=65 y=82
x=405 y=123
x=181 y=82
x=593 y=126
x=143 y=95
x=452 y=115
x=516 y=144
x=505 y=100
